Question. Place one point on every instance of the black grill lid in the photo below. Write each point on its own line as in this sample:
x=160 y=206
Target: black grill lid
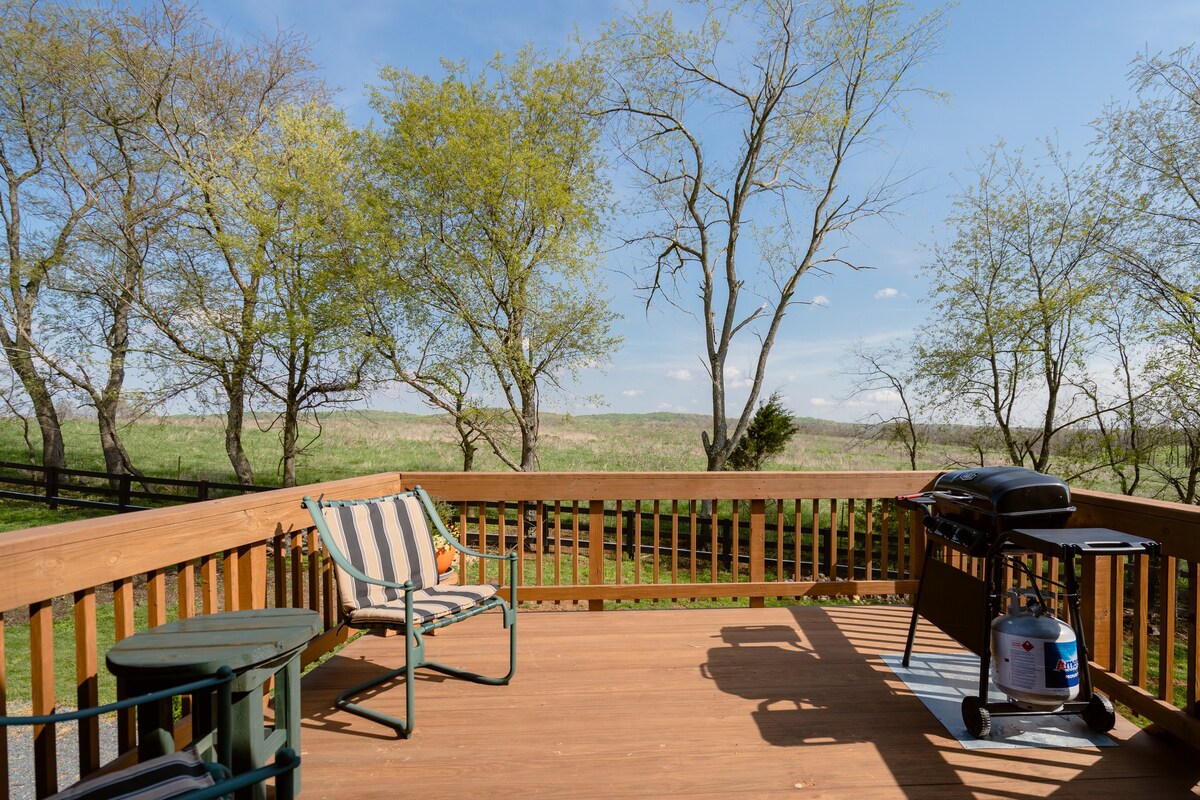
x=1001 y=490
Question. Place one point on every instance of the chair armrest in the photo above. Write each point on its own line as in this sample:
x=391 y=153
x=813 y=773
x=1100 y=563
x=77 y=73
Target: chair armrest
x=222 y=676
x=286 y=762
x=431 y=512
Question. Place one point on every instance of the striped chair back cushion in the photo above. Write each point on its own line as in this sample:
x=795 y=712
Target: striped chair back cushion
x=386 y=538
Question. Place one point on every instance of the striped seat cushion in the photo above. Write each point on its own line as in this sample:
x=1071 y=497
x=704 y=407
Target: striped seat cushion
x=157 y=779
x=386 y=538
x=428 y=605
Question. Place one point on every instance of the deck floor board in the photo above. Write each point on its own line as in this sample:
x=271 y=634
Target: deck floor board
x=696 y=704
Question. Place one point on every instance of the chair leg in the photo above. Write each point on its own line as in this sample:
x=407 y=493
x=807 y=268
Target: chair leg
x=510 y=621
x=414 y=651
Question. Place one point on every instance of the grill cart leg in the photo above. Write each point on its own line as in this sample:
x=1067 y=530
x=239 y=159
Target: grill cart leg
x=1098 y=714
x=912 y=625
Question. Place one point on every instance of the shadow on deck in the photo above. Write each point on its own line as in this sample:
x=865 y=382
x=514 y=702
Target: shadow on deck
x=735 y=703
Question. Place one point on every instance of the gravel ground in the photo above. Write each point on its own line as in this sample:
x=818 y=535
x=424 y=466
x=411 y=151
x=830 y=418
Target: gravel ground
x=20 y=752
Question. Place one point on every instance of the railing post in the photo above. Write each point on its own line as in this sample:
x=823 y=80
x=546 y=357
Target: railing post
x=758 y=547
x=52 y=487
x=596 y=550
x=202 y=491
x=124 y=484
x=1096 y=608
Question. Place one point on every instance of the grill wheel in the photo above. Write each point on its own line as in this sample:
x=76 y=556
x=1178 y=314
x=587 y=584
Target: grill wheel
x=977 y=718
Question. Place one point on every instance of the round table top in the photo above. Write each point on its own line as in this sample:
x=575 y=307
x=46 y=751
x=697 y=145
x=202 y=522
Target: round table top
x=199 y=646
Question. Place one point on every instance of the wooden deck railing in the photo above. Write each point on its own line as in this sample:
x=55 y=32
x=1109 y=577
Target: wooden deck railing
x=589 y=538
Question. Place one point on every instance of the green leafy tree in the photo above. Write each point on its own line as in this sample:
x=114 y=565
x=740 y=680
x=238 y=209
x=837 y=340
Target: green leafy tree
x=213 y=97
x=739 y=133
x=305 y=235
x=1015 y=292
x=491 y=188
x=45 y=193
x=1154 y=153
x=767 y=435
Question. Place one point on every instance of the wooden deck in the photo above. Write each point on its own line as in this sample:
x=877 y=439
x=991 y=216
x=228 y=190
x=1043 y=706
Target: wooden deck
x=738 y=703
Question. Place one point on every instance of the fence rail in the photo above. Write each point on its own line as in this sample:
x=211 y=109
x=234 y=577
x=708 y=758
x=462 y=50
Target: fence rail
x=585 y=538
x=79 y=487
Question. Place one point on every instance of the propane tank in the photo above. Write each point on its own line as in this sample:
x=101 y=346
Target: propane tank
x=1035 y=658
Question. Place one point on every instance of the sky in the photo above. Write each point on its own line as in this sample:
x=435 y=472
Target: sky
x=1019 y=71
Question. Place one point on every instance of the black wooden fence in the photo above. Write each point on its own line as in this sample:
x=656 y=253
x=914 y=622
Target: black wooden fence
x=91 y=489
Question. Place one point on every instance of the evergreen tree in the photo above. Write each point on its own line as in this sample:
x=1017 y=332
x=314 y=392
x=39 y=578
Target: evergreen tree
x=767 y=435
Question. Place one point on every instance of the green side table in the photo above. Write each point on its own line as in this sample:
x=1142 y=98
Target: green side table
x=256 y=645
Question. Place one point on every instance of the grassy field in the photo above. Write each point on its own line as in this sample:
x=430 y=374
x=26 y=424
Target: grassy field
x=356 y=443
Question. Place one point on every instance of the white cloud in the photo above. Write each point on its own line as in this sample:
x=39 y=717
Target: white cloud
x=883 y=294
x=820 y=300
x=680 y=374
x=671 y=407
x=818 y=402
x=879 y=397
x=632 y=393
x=735 y=379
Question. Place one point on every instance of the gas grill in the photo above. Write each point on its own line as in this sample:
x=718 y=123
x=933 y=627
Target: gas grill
x=1002 y=515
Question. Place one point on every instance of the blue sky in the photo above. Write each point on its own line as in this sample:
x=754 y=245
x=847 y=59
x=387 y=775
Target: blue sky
x=1020 y=70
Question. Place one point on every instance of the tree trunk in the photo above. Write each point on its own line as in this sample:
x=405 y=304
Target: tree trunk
x=234 y=418
x=291 y=435
x=54 y=452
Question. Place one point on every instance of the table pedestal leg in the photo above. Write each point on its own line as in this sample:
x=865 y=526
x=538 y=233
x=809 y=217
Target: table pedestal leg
x=248 y=739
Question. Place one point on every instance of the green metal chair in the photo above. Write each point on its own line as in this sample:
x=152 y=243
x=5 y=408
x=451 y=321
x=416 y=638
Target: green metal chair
x=387 y=579
x=179 y=776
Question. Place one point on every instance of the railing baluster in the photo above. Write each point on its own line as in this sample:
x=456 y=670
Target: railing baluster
x=1141 y=621
x=674 y=541
x=735 y=540
x=156 y=598
x=618 y=545
x=208 y=584
x=558 y=551
x=328 y=589
x=502 y=537
x=539 y=543
x=780 y=525
x=41 y=668
x=1116 y=618
x=87 y=680
x=575 y=528
x=315 y=557
x=123 y=627
x=885 y=526
x=279 y=571
x=230 y=579
x=851 y=540
x=694 y=535
x=5 y=768
x=296 y=545
x=1193 y=639
x=185 y=590
x=637 y=536
x=1167 y=572
x=869 y=545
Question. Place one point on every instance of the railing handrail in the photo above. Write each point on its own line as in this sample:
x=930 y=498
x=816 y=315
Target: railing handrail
x=67 y=557
x=512 y=487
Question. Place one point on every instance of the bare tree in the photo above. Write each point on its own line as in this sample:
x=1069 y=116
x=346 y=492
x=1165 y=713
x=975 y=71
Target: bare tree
x=890 y=371
x=726 y=140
